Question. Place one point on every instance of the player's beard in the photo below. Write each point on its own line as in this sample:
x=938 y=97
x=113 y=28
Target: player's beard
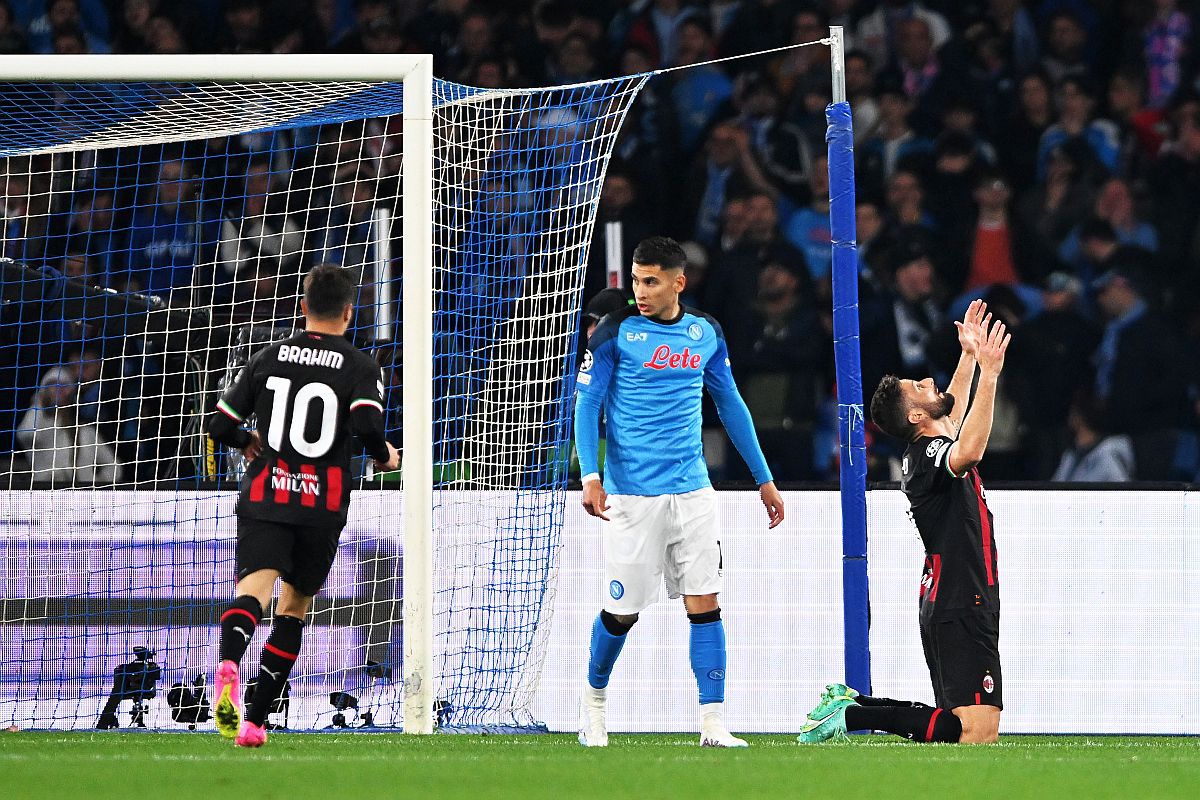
x=941 y=407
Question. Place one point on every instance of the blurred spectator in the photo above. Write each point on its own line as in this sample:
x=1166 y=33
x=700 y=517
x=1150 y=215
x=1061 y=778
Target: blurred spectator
x=1053 y=364
x=906 y=201
x=64 y=16
x=1076 y=104
x=928 y=79
x=1114 y=205
x=878 y=32
x=807 y=228
x=1094 y=456
x=1066 y=48
x=727 y=169
x=733 y=282
x=58 y=446
x=132 y=29
x=780 y=354
x=757 y=25
x=263 y=237
x=1049 y=210
x=735 y=219
x=88 y=227
x=1138 y=381
x=900 y=331
x=1167 y=38
x=860 y=91
x=165 y=37
x=895 y=144
x=12 y=40
x=655 y=26
x=699 y=93
x=793 y=69
x=622 y=212
x=1174 y=183
x=172 y=230
x=993 y=242
x=1016 y=31
x=1023 y=131
x=695 y=271
x=1142 y=129
x=778 y=145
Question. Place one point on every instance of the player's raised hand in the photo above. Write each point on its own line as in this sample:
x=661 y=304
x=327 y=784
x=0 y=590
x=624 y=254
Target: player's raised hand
x=972 y=330
x=992 y=350
x=393 y=461
x=773 y=500
x=595 y=499
x=252 y=450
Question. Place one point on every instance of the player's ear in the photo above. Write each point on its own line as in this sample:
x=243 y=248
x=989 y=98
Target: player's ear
x=915 y=415
x=347 y=313
x=303 y=307
x=680 y=281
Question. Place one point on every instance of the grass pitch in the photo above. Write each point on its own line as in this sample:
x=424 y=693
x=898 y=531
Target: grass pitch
x=298 y=766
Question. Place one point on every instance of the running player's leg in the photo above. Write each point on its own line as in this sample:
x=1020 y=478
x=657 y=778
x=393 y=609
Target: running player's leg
x=633 y=553
x=693 y=568
x=312 y=557
x=263 y=552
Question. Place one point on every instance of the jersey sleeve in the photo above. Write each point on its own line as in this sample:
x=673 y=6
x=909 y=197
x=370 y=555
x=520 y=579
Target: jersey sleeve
x=735 y=416
x=225 y=423
x=591 y=387
x=366 y=411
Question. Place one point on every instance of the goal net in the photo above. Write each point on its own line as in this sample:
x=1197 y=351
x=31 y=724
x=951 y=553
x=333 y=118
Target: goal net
x=154 y=237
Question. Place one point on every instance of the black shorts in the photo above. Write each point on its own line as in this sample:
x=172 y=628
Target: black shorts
x=963 y=655
x=302 y=555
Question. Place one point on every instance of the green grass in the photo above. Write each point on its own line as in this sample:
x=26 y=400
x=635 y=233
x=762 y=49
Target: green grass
x=367 y=766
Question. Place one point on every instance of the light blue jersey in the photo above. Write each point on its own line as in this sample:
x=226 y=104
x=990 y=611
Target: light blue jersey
x=649 y=378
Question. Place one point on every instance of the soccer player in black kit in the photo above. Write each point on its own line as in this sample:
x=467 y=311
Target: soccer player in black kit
x=309 y=393
x=959 y=591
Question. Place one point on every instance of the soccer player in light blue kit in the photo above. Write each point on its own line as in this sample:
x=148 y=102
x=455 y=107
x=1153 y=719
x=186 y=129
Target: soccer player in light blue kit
x=647 y=366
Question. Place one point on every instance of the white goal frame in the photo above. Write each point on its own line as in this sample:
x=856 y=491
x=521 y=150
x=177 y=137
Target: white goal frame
x=416 y=74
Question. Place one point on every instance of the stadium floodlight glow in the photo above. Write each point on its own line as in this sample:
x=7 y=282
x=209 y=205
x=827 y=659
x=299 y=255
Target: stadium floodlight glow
x=218 y=181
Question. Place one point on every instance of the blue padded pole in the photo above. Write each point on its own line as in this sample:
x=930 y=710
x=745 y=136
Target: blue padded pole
x=839 y=137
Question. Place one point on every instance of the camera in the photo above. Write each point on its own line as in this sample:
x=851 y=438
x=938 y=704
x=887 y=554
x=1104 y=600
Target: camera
x=189 y=706
x=133 y=681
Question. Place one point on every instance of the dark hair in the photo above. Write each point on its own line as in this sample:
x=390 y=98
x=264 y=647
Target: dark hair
x=328 y=289
x=889 y=410
x=662 y=251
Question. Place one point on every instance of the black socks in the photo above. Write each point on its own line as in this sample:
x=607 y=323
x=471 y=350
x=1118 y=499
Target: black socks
x=278 y=656
x=917 y=724
x=237 y=627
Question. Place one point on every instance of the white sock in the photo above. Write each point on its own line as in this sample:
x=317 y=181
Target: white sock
x=712 y=713
x=596 y=694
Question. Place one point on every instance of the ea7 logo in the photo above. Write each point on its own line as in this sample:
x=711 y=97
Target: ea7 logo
x=635 y=336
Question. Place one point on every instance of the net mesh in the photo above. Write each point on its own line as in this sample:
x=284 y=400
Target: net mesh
x=155 y=236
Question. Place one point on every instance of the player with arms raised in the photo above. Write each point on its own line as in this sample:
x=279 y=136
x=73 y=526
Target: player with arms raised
x=960 y=591
x=647 y=366
x=310 y=393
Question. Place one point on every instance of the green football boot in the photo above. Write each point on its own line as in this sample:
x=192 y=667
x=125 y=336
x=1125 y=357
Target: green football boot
x=834 y=691
x=830 y=727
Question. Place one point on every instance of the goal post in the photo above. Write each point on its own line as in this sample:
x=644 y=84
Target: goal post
x=496 y=193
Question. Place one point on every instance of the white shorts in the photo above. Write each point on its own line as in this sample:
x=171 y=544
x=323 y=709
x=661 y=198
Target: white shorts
x=648 y=541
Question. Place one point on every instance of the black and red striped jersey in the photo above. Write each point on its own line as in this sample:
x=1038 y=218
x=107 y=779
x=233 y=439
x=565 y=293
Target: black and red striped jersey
x=955 y=524
x=309 y=394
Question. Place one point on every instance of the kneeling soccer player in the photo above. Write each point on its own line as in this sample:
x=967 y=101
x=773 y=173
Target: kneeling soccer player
x=960 y=593
x=309 y=392
x=647 y=366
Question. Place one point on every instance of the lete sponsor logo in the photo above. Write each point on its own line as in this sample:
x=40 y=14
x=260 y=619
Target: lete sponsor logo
x=664 y=358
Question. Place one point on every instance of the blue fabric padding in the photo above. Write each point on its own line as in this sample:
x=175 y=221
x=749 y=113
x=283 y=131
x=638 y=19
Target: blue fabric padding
x=851 y=425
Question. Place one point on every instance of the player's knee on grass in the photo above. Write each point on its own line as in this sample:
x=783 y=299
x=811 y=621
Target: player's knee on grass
x=980 y=724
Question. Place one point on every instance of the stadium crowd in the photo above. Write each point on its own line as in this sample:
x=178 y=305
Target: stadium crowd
x=1043 y=155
